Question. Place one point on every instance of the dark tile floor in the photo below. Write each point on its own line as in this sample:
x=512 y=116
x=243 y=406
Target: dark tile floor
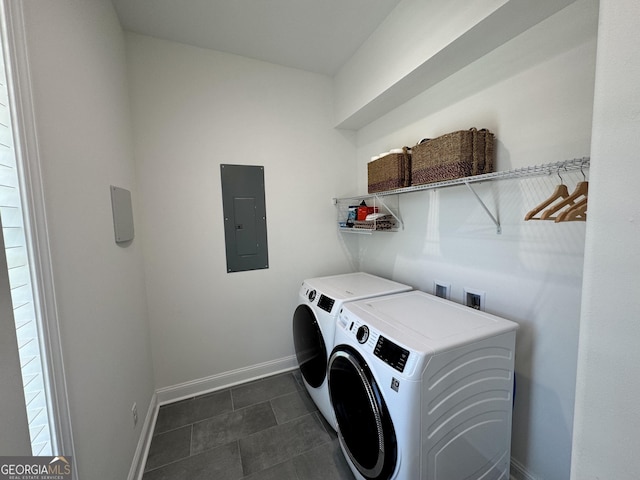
x=269 y=429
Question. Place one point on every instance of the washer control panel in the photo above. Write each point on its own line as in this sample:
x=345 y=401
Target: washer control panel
x=391 y=354
x=372 y=341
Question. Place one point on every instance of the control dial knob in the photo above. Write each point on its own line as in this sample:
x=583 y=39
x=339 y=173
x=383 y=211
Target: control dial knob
x=312 y=295
x=362 y=334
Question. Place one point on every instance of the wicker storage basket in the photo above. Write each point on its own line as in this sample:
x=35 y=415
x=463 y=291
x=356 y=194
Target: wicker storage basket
x=389 y=172
x=488 y=151
x=454 y=155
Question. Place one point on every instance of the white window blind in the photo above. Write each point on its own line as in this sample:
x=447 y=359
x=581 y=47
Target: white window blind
x=22 y=296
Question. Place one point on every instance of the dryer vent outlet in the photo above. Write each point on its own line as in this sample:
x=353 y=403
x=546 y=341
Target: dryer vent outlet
x=474 y=299
x=442 y=290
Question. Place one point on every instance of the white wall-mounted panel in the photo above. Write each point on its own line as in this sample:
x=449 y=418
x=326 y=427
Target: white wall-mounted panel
x=122 y=210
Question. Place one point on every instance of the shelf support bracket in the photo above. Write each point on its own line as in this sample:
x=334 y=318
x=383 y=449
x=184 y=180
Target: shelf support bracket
x=482 y=204
x=399 y=220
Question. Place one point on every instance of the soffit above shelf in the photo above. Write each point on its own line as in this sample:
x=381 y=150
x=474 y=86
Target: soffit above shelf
x=492 y=31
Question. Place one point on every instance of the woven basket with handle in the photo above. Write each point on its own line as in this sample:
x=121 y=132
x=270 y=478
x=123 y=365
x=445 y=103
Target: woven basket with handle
x=390 y=172
x=454 y=155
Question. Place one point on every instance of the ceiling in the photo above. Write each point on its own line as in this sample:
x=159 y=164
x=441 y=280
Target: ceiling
x=313 y=35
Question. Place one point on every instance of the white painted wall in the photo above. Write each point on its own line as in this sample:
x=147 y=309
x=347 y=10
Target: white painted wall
x=77 y=61
x=536 y=94
x=194 y=109
x=607 y=417
x=13 y=412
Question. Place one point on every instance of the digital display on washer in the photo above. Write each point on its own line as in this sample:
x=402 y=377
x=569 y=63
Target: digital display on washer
x=390 y=353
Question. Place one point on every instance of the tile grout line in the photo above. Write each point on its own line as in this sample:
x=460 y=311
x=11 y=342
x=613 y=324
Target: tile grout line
x=299 y=388
x=191 y=423
x=194 y=455
x=311 y=414
x=237 y=442
x=292 y=459
x=169 y=431
x=233 y=404
x=330 y=431
x=167 y=464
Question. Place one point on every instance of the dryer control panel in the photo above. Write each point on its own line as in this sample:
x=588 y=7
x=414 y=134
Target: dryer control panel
x=326 y=303
x=311 y=294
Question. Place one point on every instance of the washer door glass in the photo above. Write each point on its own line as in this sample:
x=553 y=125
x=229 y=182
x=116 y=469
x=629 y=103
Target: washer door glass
x=364 y=424
x=309 y=344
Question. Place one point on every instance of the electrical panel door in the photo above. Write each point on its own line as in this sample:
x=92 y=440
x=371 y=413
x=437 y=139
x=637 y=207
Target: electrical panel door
x=245 y=217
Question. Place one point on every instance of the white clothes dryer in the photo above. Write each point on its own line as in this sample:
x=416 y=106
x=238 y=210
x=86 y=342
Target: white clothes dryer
x=422 y=389
x=320 y=301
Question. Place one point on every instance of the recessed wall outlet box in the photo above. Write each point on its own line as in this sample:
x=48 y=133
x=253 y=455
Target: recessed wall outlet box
x=474 y=298
x=442 y=290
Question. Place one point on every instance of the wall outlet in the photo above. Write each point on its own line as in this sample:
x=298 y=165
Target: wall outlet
x=134 y=412
x=442 y=290
x=474 y=298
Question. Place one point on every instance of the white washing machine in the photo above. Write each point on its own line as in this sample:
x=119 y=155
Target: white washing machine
x=320 y=301
x=422 y=389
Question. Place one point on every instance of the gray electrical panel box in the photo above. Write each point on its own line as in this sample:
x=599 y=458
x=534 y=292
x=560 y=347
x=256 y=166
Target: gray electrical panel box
x=245 y=217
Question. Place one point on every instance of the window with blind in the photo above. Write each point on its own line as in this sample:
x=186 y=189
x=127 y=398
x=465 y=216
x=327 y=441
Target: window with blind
x=22 y=293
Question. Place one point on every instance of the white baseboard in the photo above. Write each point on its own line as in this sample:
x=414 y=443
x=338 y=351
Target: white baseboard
x=142 y=450
x=519 y=472
x=201 y=386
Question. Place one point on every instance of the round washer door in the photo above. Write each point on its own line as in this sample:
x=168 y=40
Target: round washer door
x=310 y=347
x=364 y=425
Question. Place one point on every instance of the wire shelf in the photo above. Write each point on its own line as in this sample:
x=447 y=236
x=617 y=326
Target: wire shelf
x=530 y=171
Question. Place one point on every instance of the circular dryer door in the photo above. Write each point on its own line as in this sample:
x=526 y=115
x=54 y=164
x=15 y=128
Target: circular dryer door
x=364 y=424
x=309 y=344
